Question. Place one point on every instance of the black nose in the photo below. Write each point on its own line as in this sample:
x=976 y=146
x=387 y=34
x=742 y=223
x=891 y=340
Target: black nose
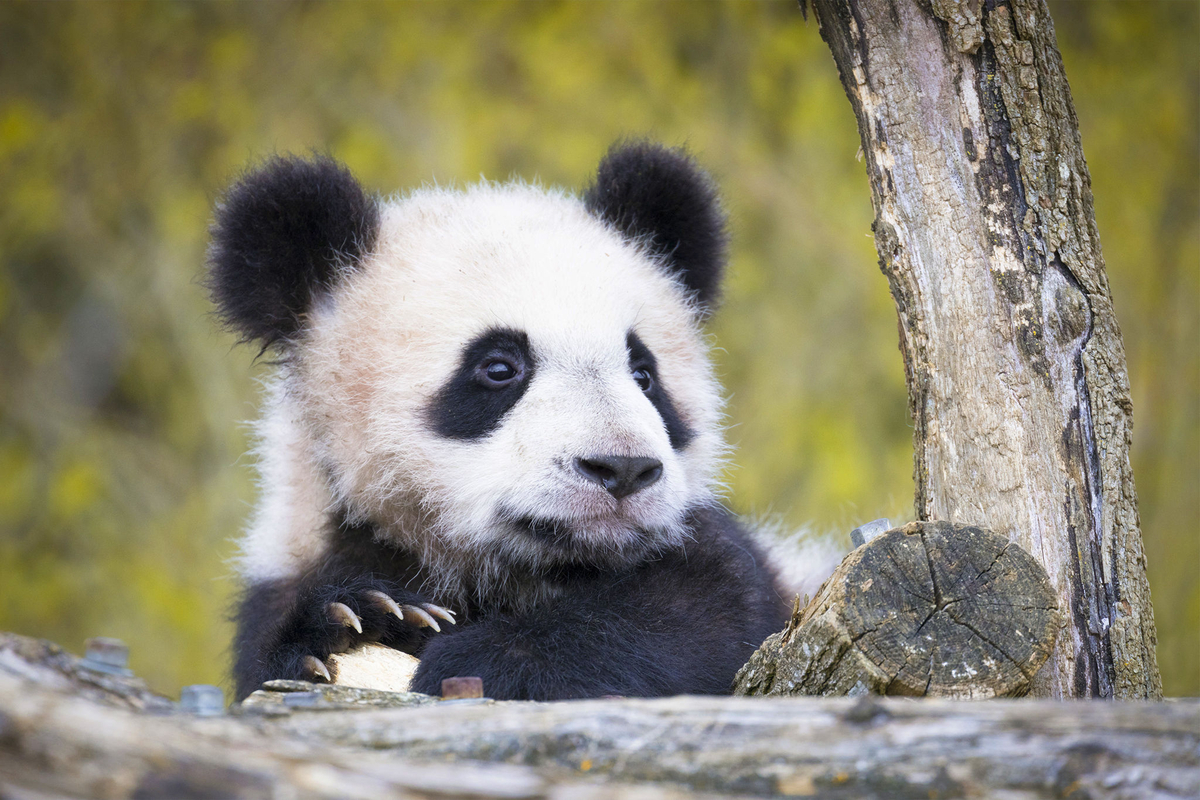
x=620 y=475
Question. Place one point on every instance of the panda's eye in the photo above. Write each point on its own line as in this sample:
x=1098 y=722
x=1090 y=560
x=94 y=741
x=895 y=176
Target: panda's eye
x=643 y=378
x=496 y=373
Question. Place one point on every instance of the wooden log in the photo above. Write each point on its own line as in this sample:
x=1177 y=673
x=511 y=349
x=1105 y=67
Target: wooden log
x=55 y=743
x=930 y=609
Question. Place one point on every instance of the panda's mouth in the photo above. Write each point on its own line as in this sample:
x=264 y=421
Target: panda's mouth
x=572 y=536
x=539 y=542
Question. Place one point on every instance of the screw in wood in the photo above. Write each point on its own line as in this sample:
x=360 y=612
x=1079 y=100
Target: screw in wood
x=202 y=699
x=865 y=533
x=462 y=688
x=103 y=654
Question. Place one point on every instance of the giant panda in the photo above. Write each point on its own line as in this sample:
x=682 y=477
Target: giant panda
x=493 y=436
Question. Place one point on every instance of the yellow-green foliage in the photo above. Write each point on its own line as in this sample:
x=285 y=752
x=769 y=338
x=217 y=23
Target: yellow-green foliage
x=122 y=474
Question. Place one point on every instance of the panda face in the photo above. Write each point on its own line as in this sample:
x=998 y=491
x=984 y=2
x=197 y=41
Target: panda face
x=507 y=374
x=505 y=381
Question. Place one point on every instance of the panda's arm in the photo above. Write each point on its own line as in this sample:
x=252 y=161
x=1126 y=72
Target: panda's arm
x=288 y=628
x=353 y=592
x=681 y=625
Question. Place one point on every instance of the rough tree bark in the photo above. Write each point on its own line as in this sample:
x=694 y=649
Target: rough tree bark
x=1015 y=366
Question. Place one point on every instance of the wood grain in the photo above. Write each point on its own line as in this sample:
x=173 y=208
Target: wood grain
x=930 y=609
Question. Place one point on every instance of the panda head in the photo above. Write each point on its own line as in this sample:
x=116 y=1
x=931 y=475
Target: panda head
x=504 y=371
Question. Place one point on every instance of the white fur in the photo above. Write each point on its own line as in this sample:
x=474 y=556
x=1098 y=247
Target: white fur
x=288 y=529
x=802 y=559
x=349 y=406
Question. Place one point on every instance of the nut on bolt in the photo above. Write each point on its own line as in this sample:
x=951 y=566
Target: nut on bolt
x=865 y=533
x=103 y=654
x=462 y=688
x=202 y=699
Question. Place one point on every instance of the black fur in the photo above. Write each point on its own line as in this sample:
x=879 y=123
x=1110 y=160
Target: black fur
x=281 y=236
x=467 y=408
x=640 y=357
x=679 y=624
x=659 y=195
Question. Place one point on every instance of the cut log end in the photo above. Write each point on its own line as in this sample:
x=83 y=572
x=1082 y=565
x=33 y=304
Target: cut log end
x=930 y=609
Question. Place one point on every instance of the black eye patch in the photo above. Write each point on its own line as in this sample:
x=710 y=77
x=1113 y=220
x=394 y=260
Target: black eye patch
x=492 y=375
x=640 y=358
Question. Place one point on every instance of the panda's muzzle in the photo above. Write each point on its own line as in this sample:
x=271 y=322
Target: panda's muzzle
x=620 y=476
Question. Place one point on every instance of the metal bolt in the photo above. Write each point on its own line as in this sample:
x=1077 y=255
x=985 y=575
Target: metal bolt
x=112 y=652
x=462 y=688
x=103 y=654
x=865 y=533
x=202 y=699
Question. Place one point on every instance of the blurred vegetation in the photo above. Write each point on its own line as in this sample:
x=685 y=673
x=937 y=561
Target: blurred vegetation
x=122 y=467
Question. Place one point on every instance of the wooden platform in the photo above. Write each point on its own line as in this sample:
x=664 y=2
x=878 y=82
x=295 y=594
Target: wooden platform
x=67 y=733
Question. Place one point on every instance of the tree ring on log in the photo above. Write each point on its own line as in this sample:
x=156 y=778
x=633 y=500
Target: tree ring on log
x=930 y=609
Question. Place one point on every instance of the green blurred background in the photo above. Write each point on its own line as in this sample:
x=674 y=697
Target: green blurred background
x=123 y=409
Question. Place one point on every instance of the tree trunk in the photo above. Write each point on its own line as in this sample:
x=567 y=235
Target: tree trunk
x=1015 y=367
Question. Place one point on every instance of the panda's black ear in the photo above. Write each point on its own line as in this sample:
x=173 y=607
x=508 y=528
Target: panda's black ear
x=283 y=234
x=660 y=195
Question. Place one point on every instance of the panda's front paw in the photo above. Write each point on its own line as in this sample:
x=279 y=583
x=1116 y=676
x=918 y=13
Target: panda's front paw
x=425 y=615
x=335 y=618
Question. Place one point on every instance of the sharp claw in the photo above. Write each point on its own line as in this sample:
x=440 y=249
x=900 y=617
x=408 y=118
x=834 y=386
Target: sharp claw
x=438 y=611
x=315 y=666
x=423 y=618
x=340 y=612
x=389 y=605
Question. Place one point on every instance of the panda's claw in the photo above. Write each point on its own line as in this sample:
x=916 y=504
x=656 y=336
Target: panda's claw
x=424 y=620
x=382 y=601
x=317 y=668
x=441 y=613
x=344 y=615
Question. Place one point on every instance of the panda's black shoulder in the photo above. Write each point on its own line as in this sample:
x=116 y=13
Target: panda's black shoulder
x=721 y=544
x=723 y=570
x=712 y=602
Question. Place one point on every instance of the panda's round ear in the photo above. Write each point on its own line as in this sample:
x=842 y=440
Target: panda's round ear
x=659 y=196
x=282 y=235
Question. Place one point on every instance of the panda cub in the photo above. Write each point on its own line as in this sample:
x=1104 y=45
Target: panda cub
x=494 y=432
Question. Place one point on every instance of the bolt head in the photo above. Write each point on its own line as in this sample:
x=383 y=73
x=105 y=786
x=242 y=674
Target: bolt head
x=110 y=652
x=462 y=688
x=203 y=699
x=865 y=533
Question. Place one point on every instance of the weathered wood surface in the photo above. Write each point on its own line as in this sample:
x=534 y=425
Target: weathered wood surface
x=1015 y=367
x=931 y=609
x=56 y=743
x=45 y=664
